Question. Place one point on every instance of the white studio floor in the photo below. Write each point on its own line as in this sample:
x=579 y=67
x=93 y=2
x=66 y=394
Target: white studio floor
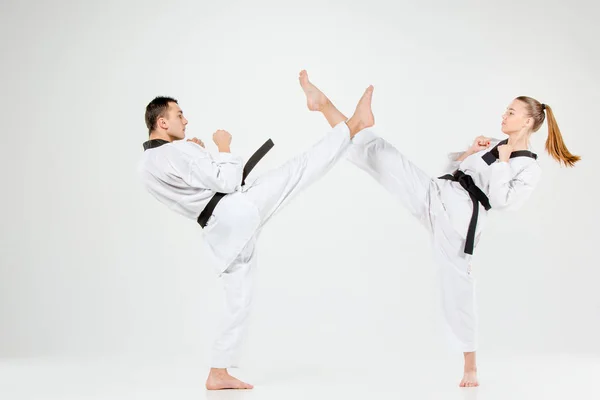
x=557 y=377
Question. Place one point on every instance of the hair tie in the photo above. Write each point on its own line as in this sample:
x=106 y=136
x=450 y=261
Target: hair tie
x=543 y=106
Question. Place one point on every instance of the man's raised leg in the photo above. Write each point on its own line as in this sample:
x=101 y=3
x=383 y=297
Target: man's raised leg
x=271 y=191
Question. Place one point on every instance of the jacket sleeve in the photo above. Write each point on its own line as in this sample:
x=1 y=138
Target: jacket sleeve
x=221 y=173
x=452 y=163
x=509 y=189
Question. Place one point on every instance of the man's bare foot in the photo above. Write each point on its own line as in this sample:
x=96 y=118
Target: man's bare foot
x=315 y=99
x=219 y=379
x=469 y=379
x=363 y=115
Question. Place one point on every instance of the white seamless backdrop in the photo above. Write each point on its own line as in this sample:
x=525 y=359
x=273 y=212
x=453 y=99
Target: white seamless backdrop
x=91 y=265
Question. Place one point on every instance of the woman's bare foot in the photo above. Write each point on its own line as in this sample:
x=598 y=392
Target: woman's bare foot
x=219 y=379
x=469 y=379
x=363 y=115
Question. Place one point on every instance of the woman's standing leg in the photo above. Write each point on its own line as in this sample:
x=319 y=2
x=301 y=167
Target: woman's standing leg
x=458 y=294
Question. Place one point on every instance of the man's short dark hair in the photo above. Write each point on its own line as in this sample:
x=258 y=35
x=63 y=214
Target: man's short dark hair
x=157 y=108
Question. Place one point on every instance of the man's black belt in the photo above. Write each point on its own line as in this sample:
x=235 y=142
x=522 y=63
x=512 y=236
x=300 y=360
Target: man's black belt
x=256 y=157
x=477 y=196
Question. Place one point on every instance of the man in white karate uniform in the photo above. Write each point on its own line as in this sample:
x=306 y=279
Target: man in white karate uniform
x=185 y=177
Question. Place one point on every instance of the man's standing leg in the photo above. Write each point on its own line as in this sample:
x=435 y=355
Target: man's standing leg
x=269 y=193
x=238 y=282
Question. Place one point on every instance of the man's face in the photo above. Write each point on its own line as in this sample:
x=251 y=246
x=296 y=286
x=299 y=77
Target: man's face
x=174 y=122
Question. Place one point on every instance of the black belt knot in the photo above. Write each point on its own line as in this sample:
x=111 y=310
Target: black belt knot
x=477 y=196
x=256 y=157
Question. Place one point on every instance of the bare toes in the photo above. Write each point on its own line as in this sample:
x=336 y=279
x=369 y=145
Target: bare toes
x=303 y=77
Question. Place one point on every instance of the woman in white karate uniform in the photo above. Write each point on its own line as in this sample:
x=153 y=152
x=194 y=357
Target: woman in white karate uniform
x=185 y=177
x=491 y=174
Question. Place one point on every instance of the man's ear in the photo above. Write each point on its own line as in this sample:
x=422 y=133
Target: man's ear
x=162 y=123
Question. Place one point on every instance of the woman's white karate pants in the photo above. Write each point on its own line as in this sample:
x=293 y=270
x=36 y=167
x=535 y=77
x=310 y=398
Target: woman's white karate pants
x=420 y=195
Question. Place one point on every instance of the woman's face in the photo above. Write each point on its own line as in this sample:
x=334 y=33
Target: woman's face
x=515 y=117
